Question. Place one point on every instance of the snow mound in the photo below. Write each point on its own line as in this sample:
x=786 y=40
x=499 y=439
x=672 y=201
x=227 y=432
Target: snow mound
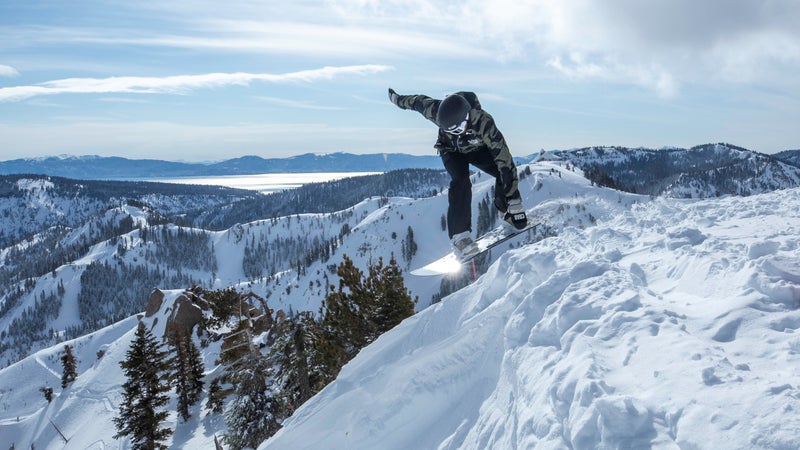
x=672 y=324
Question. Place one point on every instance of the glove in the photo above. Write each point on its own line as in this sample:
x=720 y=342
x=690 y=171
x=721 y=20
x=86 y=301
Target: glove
x=393 y=97
x=515 y=215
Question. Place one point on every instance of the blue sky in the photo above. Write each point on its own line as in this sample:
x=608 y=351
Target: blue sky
x=209 y=80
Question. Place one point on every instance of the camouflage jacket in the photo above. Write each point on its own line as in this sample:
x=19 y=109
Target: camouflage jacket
x=481 y=134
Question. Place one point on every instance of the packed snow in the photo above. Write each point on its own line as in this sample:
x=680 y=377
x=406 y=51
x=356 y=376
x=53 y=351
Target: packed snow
x=645 y=323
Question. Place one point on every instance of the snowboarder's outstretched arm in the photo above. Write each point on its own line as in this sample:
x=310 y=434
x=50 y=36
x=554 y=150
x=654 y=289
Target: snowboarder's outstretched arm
x=420 y=103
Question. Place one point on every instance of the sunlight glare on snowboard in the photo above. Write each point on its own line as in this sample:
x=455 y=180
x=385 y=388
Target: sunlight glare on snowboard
x=447 y=266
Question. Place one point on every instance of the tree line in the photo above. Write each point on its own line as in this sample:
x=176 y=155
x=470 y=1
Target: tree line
x=337 y=195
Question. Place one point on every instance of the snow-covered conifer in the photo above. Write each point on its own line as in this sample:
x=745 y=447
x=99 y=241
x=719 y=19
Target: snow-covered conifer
x=70 y=372
x=144 y=393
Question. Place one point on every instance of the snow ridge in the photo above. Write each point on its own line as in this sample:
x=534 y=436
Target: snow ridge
x=670 y=325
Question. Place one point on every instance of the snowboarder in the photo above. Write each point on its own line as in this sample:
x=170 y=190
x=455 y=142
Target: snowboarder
x=468 y=135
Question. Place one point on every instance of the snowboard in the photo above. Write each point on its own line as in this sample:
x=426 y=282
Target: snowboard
x=450 y=263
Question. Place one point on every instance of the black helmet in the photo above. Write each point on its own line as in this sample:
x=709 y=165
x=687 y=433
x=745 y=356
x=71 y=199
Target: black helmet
x=452 y=111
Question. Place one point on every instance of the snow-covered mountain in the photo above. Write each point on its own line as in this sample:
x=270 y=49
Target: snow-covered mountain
x=97 y=167
x=789 y=156
x=32 y=204
x=709 y=170
x=705 y=165
x=644 y=322
x=93 y=251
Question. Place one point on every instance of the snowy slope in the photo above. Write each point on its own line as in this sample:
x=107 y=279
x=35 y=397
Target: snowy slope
x=669 y=325
x=83 y=411
x=662 y=323
x=284 y=239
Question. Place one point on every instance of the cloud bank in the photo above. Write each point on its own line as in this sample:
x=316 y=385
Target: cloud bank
x=659 y=44
x=179 y=84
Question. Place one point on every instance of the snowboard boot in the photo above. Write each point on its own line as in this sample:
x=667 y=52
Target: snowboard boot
x=464 y=246
x=515 y=216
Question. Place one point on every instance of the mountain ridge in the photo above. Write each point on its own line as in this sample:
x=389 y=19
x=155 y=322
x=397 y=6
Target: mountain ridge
x=115 y=167
x=701 y=171
x=641 y=324
x=664 y=325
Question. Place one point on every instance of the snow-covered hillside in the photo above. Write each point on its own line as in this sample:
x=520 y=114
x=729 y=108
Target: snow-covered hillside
x=703 y=171
x=671 y=324
x=31 y=204
x=664 y=323
x=83 y=412
x=88 y=263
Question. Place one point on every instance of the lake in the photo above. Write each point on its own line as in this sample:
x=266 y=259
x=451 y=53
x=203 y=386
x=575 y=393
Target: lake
x=266 y=182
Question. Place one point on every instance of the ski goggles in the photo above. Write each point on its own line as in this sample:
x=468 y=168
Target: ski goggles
x=459 y=127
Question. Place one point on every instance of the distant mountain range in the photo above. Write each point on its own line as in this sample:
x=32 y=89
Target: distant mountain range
x=118 y=168
x=703 y=171
x=97 y=167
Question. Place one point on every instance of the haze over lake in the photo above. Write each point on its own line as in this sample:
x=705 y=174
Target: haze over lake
x=267 y=182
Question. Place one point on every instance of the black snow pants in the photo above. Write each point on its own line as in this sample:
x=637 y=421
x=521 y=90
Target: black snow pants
x=459 y=211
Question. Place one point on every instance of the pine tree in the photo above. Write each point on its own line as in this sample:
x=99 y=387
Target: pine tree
x=215 y=397
x=188 y=373
x=223 y=305
x=47 y=392
x=70 y=372
x=197 y=370
x=392 y=302
x=253 y=416
x=485 y=219
x=359 y=311
x=144 y=393
x=342 y=322
x=409 y=245
x=294 y=355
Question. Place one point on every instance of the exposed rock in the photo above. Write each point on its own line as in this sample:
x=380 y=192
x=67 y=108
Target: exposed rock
x=156 y=299
x=185 y=315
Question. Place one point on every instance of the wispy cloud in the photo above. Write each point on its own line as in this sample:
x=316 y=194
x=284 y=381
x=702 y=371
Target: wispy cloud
x=179 y=84
x=8 y=71
x=297 y=104
x=288 y=36
x=578 y=66
x=122 y=100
